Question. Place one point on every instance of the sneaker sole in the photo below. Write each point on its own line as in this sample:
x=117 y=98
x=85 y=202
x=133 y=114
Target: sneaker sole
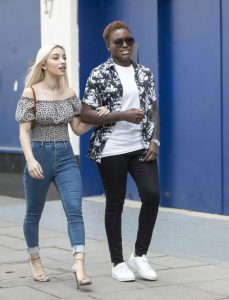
x=124 y=279
x=148 y=278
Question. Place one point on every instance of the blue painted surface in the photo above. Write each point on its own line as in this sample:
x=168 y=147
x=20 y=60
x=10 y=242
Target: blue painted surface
x=92 y=53
x=190 y=102
x=190 y=46
x=20 y=36
x=91 y=44
x=225 y=105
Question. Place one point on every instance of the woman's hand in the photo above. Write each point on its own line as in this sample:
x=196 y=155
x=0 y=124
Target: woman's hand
x=133 y=115
x=35 y=169
x=102 y=111
x=152 y=152
x=80 y=127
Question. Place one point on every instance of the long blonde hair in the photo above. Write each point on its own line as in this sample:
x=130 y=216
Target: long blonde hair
x=36 y=74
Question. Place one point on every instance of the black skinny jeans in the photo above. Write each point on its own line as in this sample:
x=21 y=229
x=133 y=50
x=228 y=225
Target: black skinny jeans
x=114 y=171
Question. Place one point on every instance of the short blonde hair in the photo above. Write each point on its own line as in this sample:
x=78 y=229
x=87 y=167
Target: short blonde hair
x=36 y=74
x=112 y=27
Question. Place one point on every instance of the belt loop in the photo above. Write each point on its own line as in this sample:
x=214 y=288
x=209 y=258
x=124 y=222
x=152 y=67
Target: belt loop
x=42 y=143
x=65 y=145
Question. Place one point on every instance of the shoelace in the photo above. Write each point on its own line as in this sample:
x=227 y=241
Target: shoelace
x=123 y=269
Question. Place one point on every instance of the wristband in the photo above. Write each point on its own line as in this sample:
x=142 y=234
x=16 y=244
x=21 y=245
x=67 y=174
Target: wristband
x=156 y=142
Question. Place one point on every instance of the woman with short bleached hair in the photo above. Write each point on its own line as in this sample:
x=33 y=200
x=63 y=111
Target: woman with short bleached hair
x=45 y=108
x=126 y=141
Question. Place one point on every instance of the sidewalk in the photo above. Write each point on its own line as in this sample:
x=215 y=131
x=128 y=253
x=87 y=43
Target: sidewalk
x=181 y=276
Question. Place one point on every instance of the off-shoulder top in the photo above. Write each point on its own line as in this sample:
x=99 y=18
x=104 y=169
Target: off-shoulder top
x=52 y=117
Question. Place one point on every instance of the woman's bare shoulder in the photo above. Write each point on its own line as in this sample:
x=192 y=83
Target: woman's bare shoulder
x=27 y=92
x=69 y=92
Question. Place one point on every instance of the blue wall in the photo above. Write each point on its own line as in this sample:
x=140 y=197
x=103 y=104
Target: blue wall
x=225 y=104
x=190 y=102
x=90 y=51
x=20 y=40
x=186 y=44
x=93 y=52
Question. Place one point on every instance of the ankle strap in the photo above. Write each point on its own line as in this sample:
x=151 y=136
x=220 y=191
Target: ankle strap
x=34 y=258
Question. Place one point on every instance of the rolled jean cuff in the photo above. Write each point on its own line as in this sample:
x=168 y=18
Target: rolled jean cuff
x=78 y=248
x=33 y=250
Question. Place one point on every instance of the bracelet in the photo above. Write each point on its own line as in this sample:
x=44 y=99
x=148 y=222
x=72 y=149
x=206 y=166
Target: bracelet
x=156 y=142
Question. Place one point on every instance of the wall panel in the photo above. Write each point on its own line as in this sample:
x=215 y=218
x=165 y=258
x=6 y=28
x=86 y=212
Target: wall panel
x=225 y=104
x=20 y=36
x=190 y=101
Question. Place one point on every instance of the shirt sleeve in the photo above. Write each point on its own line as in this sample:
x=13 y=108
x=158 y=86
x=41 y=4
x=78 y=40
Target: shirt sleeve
x=76 y=104
x=91 y=94
x=152 y=88
x=25 y=110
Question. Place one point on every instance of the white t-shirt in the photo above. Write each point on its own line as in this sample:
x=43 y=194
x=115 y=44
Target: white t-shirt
x=125 y=137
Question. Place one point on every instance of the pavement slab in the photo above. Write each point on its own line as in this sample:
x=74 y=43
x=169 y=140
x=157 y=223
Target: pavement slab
x=25 y=293
x=192 y=275
x=220 y=286
x=169 y=262
x=162 y=293
x=181 y=276
x=11 y=242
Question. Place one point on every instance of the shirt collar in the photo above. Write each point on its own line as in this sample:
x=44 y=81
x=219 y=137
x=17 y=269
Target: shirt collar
x=110 y=64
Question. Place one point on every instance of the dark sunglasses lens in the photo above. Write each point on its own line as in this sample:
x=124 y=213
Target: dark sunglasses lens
x=118 y=43
x=130 y=41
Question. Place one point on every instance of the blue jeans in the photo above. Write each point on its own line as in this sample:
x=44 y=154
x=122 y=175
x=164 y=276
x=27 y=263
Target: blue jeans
x=60 y=167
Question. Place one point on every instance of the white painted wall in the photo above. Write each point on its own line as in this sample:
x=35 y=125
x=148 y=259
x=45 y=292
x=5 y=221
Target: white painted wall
x=59 y=25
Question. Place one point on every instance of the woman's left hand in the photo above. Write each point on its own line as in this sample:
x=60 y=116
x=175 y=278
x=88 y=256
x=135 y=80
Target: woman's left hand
x=102 y=111
x=152 y=153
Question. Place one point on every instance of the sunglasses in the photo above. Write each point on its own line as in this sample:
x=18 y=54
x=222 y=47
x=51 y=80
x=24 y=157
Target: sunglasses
x=119 y=42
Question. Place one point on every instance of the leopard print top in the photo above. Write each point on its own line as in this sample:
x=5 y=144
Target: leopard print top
x=52 y=117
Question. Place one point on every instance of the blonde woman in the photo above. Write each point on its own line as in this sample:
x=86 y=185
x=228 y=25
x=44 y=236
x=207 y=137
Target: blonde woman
x=49 y=154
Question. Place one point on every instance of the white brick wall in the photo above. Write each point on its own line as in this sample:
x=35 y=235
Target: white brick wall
x=59 y=24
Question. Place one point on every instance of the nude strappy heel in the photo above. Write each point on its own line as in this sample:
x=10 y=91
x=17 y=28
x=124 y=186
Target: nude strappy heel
x=82 y=278
x=37 y=268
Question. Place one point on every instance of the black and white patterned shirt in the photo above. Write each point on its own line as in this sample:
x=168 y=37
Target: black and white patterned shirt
x=104 y=88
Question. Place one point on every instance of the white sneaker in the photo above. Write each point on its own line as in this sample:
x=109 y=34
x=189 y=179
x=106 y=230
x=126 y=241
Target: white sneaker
x=121 y=272
x=142 y=266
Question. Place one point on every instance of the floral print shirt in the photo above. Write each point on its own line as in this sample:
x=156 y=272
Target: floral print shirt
x=104 y=88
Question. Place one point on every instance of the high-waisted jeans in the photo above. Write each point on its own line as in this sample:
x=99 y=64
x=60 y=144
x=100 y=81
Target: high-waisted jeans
x=114 y=170
x=60 y=167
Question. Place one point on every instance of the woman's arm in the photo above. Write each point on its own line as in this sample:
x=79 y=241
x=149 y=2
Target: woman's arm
x=92 y=99
x=89 y=115
x=153 y=150
x=156 y=117
x=34 y=167
x=80 y=127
